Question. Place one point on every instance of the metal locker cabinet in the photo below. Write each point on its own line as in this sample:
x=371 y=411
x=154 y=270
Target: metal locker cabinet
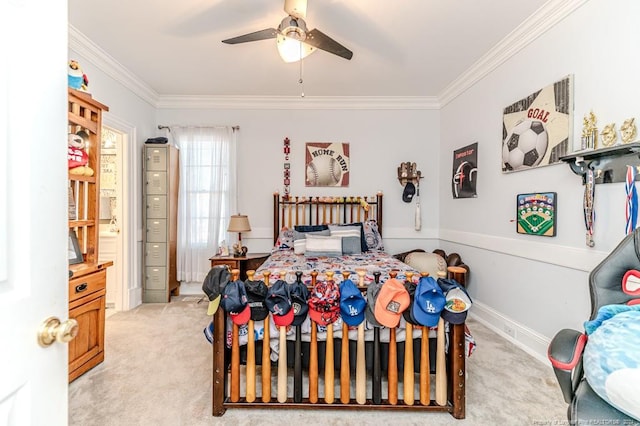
x=160 y=195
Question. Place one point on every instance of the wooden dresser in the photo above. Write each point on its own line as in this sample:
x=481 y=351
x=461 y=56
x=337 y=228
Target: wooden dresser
x=87 y=275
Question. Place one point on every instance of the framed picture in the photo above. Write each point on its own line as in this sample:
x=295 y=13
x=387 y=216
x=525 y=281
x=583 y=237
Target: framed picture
x=74 y=252
x=536 y=213
x=327 y=164
x=536 y=130
x=465 y=172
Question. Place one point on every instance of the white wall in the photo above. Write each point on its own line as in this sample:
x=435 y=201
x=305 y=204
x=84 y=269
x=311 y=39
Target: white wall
x=538 y=285
x=130 y=114
x=379 y=141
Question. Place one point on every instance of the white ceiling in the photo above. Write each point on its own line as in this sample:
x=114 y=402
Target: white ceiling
x=401 y=48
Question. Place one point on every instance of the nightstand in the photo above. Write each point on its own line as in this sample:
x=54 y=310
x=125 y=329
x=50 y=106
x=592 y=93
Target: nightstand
x=243 y=263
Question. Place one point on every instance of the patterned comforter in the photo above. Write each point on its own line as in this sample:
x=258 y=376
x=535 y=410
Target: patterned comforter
x=370 y=261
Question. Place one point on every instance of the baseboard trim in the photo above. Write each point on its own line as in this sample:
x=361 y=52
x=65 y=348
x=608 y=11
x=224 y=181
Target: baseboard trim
x=526 y=339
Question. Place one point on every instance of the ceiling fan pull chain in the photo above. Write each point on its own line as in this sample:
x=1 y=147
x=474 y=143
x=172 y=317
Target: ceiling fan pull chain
x=301 y=81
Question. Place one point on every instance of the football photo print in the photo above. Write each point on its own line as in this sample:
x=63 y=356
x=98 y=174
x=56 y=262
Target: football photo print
x=465 y=172
x=536 y=129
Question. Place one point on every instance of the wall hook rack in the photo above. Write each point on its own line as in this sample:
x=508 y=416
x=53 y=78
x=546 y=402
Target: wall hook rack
x=408 y=172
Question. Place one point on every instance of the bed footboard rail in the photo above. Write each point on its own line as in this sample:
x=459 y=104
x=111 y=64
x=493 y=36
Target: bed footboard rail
x=408 y=391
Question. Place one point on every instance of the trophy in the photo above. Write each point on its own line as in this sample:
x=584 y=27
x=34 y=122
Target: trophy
x=628 y=130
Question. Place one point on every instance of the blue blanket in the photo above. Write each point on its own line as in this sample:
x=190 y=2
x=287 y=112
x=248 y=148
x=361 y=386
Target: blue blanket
x=612 y=357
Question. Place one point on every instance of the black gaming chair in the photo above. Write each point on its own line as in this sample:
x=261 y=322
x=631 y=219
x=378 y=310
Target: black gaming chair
x=565 y=350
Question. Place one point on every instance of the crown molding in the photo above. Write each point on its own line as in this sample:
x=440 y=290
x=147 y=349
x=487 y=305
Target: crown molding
x=547 y=16
x=79 y=43
x=300 y=103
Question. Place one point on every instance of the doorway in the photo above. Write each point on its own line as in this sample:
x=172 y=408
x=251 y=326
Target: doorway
x=110 y=245
x=117 y=213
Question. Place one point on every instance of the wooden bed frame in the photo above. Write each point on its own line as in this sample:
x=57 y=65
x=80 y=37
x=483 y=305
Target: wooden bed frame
x=225 y=386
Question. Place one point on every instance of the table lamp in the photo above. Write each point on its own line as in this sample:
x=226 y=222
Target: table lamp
x=239 y=223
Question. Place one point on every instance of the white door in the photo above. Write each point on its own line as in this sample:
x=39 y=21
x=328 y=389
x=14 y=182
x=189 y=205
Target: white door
x=33 y=194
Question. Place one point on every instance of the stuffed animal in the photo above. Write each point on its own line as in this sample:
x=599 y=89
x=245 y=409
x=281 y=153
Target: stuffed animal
x=76 y=78
x=77 y=157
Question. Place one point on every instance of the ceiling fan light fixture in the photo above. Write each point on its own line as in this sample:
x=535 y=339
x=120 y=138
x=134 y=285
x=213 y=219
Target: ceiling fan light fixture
x=291 y=49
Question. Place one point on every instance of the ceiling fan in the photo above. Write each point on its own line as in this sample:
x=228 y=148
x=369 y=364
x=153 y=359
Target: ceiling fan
x=294 y=41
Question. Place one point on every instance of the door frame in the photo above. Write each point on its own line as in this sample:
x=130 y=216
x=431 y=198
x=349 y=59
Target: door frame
x=130 y=290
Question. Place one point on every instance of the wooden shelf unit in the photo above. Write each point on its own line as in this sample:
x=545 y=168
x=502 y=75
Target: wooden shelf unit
x=87 y=283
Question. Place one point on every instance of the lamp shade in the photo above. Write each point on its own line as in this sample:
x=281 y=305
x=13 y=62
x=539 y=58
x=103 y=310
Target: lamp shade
x=239 y=223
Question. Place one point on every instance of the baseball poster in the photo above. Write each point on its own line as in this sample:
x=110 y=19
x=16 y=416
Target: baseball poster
x=536 y=130
x=465 y=172
x=537 y=214
x=327 y=164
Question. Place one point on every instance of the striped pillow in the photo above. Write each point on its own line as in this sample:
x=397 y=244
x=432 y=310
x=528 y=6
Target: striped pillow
x=320 y=246
x=351 y=241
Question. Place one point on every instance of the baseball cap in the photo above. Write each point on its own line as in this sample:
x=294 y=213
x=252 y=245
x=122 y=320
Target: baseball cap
x=409 y=192
x=216 y=279
x=372 y=294
x=299 y=295
x=457 y=301
x=408 y=313
x=234 y=302
x=324 y=302
x=352 y=304
x=429 y=302
x=392 y=300
x=278 y=301
x=256 y=294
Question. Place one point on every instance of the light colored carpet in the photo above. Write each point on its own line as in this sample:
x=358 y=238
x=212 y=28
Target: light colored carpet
x=157 y=371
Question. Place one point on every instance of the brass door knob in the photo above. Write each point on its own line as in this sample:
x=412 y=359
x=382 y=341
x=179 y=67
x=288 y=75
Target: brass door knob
x=52 y=330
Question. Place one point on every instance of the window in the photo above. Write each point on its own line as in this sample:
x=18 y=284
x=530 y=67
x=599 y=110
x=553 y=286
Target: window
x=206 y=197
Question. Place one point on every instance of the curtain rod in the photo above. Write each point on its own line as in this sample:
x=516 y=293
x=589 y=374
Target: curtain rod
x=161 y=127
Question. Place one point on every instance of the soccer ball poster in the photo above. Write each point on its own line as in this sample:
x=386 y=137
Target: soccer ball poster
x=536 y=214
x=536 y=129
x=327 y=164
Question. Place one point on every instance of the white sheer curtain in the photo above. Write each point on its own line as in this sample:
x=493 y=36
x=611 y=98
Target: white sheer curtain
x=206 y=197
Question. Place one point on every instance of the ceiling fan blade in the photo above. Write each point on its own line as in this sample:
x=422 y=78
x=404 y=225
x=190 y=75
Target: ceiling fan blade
x=258 y=35
x=320 y=40
x=296 y=8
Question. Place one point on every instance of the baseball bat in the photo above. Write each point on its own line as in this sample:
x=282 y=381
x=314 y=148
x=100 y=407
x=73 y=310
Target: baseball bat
x=282 y=365
x=345 y=373
x=344 y=366
x=328 y=363
x=282 y=357
x=441 y=373
x=328 y=367
x=297 y=363
x=251 y=355
x=251 y=364
x=235 y=354
x=409 y=397
x=392 y=373
x=361 y=373
x=425 y=368
x=376 y=385
x=235 y=365
x=313 y=354
x=266 y=354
